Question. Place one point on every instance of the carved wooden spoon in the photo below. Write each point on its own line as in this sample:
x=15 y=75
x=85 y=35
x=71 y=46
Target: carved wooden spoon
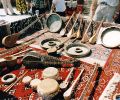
x=65 y=83
x=68 y=93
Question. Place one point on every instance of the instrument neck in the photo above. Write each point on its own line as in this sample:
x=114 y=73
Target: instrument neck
x=27 y=27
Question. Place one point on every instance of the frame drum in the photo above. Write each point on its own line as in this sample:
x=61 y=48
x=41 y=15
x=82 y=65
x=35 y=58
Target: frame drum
x=110 y=37
x=54 y=22
x=48 y=88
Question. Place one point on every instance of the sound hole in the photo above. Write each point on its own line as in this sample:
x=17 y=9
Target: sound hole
x=51 y=43
x=78 y=50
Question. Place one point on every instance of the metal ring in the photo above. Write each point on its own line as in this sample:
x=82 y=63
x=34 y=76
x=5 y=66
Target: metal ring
x=8 y=78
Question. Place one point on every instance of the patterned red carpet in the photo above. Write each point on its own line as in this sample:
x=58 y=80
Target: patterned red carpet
x=97 y=85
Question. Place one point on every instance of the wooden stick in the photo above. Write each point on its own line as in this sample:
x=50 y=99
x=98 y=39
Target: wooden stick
x=68 y=93
x=88 y=83
x=85 y=36
x=93 y=39
x=27 y=50
x=18 y=48
x=78 y=32
x=69 y=20
x=71 y=31
x=65 y=83
x=10 y=86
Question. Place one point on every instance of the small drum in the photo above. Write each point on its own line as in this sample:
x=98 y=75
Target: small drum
x=50 y=72
x=110 y=37
x=54 y=22
x=48 y=88
x=34 y=83
x=26 y=80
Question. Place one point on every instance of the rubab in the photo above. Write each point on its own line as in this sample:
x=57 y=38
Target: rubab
x=71 y=31
x=10 y=40
x=79 y=30
x=93 y=39
x=63 y=31
x=78 y=33
x=85 y=37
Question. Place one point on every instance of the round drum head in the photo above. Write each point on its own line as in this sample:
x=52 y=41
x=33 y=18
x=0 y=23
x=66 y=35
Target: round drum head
x=111 y=37
x=50 y=42
x=54 y=22
x=77 y=50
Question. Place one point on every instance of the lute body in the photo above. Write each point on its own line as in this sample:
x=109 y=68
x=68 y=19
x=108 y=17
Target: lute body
x=10 y=40
x=33 y=60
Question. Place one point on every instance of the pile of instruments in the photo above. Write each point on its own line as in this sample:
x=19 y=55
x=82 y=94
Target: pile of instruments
x=77 y=33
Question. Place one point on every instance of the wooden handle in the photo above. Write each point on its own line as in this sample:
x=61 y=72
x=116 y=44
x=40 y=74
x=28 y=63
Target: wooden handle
x=68 y=93
x=85 y=36
x=64 y=84
x=93 y=39
x=63 y=31
x=71 y=31
x=69 y=20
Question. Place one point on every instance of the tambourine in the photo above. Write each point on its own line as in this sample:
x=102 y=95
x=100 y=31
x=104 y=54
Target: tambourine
x=54 y=22
x=110 y=37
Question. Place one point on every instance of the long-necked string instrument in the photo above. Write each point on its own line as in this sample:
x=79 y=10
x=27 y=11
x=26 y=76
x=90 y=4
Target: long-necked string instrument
x=10 y=40
x=10 y=86
x=63 y=31
x=88 y=83
x=16 y=49
x=78 y=34
x=33 y=59
x=85 y=37
x=71 y=31
x=68 y=93
x=93 y=39
x=55 y=48
x=20 y=47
